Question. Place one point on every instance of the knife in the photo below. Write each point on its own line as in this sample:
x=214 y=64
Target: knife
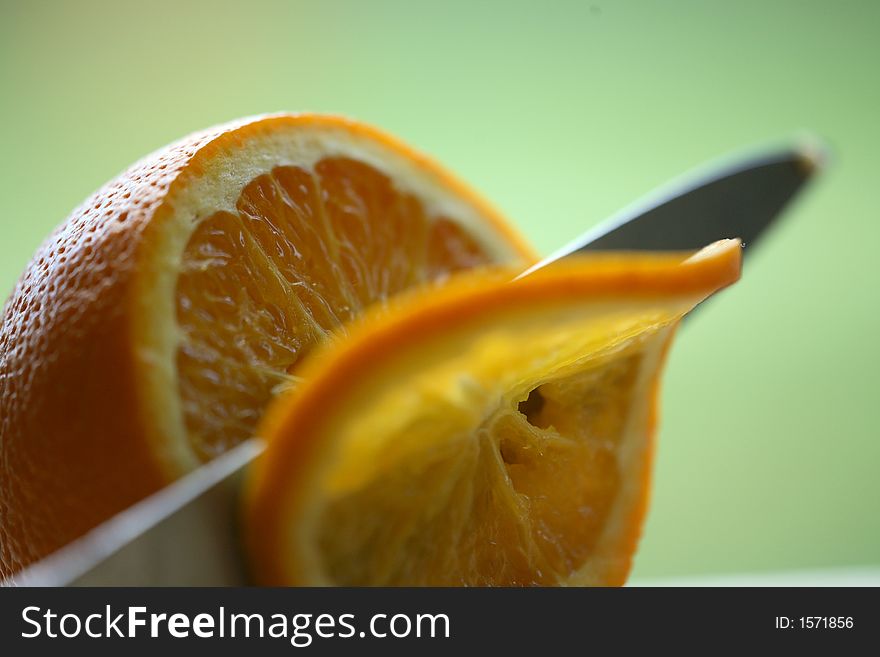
x=186 y=534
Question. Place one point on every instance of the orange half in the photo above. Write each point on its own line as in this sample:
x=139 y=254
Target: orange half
x=152 y=328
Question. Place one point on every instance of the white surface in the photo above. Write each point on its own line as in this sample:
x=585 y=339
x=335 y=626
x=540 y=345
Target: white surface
x=851 y=576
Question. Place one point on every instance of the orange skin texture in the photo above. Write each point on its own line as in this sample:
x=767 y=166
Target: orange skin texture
x=74 y=430
x=72 y=445
x=293 y=424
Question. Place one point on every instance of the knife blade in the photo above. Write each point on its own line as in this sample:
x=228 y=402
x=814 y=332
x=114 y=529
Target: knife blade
x=186 y=534
x=736 y=196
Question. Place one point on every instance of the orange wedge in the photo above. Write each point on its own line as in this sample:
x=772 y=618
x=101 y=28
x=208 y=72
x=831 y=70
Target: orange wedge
x=488 y=433
x=151 y=329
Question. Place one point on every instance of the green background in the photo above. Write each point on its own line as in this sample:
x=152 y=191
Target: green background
x=561 y=113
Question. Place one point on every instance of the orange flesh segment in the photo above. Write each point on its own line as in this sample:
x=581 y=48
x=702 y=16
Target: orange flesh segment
x=305 y=252
x=520 y=502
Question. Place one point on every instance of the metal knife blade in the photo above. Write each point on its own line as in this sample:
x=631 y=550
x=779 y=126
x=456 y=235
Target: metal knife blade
x=737 y=196
x=186 y=534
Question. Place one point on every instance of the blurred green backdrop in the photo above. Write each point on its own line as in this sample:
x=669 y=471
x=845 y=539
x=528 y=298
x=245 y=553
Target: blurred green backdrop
x=561 y=113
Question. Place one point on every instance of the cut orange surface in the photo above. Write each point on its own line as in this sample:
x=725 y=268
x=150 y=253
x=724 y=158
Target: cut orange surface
x=489 y=433
x=152 y=328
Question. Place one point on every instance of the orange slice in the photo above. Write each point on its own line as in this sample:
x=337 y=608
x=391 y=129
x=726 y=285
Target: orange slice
x=489 y=433
x=152 y=328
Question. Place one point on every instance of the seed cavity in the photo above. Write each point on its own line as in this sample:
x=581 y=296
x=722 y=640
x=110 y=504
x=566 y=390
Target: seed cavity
x=531 y=408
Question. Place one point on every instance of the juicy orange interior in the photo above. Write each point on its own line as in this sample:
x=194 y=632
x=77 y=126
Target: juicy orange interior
x=521 y=501
x=305 y=251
